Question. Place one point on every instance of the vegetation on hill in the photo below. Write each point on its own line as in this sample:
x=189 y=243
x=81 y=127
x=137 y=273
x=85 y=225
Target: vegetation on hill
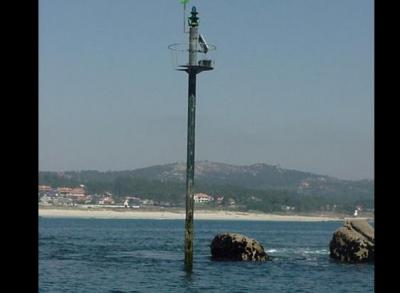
x=256 y=187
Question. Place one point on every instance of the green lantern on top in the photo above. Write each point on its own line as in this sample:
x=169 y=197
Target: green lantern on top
x=193 y=19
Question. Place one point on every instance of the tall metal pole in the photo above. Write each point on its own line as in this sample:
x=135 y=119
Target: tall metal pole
x=190 y=173
x=192 y=71
x=193 y=67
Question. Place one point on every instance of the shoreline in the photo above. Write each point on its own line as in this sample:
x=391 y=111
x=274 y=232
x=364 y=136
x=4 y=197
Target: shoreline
x=179 y=215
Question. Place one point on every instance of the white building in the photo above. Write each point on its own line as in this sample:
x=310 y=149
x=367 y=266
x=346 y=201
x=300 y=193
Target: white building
x=202 y=197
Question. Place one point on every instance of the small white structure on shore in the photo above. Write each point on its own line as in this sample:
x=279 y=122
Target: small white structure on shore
x=126 y=203
x=355 y=213
x=202 y=197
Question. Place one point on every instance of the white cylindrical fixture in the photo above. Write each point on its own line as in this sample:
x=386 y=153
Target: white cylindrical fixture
x=193 y=41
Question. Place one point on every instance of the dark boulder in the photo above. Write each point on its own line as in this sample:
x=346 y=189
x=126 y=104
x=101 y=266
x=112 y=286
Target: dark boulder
x=354 y=242
x=232 y=246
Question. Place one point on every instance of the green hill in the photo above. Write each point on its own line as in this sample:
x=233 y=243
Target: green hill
x=258 y=186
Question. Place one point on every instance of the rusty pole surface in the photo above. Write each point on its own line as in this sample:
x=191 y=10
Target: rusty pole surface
x=190 y=173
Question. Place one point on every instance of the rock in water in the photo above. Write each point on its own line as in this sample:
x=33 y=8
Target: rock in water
x=232 y=246
x=354 y=242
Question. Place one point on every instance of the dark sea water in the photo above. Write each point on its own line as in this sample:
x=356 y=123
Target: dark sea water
x=93 y=255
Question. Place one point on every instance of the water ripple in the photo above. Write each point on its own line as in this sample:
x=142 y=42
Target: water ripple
x=147 y=256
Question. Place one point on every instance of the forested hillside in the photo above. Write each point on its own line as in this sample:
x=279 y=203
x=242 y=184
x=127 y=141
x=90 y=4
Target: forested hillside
x=256 y=187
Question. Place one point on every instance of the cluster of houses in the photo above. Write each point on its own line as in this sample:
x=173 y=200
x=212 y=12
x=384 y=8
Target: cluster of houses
x=69 y=196
x=72 y=196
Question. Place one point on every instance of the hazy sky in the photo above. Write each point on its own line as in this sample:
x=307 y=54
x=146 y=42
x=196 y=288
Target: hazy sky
x=293 y=85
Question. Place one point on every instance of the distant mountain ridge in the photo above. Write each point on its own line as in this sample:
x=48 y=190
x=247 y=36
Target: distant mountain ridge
x=259 y=186
x=258 y=176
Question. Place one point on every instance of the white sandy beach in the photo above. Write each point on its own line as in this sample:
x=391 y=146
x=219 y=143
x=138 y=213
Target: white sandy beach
x=160 y=215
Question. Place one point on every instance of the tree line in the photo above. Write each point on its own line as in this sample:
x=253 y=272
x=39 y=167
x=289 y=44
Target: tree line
x=274 y=200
